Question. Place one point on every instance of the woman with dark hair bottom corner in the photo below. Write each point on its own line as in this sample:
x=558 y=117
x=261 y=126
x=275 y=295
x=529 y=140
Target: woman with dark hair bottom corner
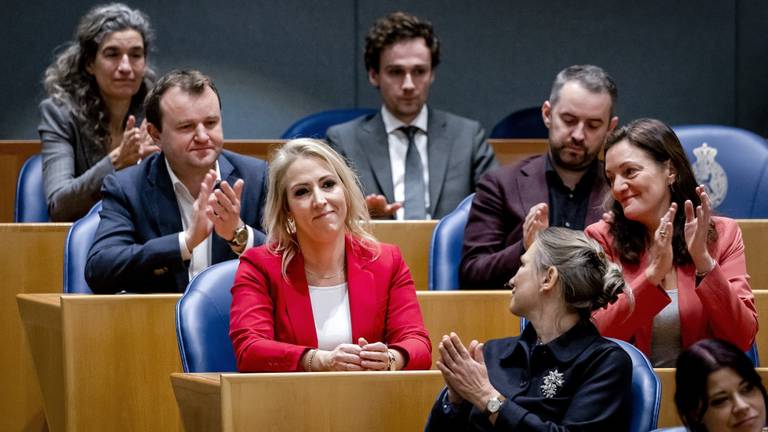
x=686 y=267
x=559 y=374
x=717 y=389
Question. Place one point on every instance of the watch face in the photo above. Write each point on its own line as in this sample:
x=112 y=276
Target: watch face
x=493 y=405
x=241 y=236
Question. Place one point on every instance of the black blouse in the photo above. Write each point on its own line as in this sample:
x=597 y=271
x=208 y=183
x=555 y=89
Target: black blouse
x=579 y=381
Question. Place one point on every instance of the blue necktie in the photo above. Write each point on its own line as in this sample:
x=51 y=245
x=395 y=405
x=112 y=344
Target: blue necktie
x=415 y=191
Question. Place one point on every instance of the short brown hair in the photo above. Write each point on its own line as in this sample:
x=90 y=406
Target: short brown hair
x=191 y=81
x=397 y=27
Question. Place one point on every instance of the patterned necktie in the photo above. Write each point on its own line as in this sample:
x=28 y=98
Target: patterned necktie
x=415 y=190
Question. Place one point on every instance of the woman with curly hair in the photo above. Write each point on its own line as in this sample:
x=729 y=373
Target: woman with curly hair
x=90 y=123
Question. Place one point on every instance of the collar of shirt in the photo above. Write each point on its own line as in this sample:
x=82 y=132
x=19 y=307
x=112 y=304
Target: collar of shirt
x=565 y=347
x=179 y=189
x=392 y=123
x=584 y=184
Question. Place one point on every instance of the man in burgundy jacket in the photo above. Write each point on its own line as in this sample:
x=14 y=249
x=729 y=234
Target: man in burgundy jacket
x=564 y=187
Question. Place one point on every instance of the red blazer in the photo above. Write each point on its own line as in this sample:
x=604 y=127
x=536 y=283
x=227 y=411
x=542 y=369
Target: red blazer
x=720 y=306
x=271 y=321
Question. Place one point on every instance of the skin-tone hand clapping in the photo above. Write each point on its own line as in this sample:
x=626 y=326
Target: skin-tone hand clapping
x=224 y=207
x=135 y=145
x=378 y=206
x=697 y=230
x=465 y=373
x=201 y=225
x=660 y=252
x=536 y=220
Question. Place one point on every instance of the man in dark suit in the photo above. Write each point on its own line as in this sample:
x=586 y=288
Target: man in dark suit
x=564 y=187
x=183 y=209
x=413 y=162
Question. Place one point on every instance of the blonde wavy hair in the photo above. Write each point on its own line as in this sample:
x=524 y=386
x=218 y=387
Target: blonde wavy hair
x=281 y=238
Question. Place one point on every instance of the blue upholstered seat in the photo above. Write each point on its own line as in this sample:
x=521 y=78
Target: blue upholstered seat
x=445 y=250
x=315 y=125
x=76 y=246
x=524 y=123
x=202 y=320
x=733 y=164
x=31 y=204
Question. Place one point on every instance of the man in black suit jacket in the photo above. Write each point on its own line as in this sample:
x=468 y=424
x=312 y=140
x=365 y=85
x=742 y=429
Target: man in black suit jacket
x=180 y=210
x=401 y=55
x=564 y=187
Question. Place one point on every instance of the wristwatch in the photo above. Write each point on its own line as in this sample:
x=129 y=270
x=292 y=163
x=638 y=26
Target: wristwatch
x=240 y=237
x=493 y=405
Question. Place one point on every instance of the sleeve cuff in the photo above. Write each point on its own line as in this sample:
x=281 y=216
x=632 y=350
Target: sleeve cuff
x=186 y=254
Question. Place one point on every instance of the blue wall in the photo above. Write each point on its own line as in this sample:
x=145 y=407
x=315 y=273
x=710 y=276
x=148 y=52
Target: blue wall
x=683 y=62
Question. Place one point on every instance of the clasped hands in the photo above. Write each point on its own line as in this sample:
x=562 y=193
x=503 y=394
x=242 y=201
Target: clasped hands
x=464 y=372
x=362 y=356
x=696 y=232
x=215 y=209
x=135 y=145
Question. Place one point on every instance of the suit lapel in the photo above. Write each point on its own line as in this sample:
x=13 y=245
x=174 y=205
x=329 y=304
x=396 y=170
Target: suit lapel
x=361 y=286
x=298 y=304
x=532 y=185
x=160 y=198
x=374 y=144
x=439 y=146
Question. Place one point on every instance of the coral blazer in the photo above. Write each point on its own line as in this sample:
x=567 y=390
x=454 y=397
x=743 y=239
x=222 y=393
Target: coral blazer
x=720 y=306
x=271 y=321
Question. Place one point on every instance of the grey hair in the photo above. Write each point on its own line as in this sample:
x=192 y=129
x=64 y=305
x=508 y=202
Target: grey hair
x=588 y=279
x=593 y=78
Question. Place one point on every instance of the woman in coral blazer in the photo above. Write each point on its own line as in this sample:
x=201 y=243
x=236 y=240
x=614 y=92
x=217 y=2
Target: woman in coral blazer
x=686 y=268
x=322 y=294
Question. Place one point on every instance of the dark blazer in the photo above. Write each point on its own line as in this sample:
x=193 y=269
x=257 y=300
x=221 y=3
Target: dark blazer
x=136 y=246
x=271 y=321
x=593 y=392
x=73 y=166
x=493 y=239
x=458 y=155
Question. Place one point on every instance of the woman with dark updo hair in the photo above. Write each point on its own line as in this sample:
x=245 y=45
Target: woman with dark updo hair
x=91 y=123
x=559 y=374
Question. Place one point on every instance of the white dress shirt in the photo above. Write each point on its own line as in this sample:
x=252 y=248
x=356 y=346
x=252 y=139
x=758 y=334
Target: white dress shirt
x=398 y=149
x=200 y=256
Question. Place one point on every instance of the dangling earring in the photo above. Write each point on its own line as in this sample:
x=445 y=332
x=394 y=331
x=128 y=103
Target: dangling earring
x=291 y=228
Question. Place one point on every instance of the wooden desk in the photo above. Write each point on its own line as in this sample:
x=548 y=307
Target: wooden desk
x=480 y=315
x=414 y=239
x=103 y=361
x=13 y=153
x=338 y=401
x=31 y=261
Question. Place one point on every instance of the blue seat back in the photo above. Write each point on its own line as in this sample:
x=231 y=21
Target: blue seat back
x=315 y=125
x=31 y=204
x=76 y=247
x=445 y=250
x=524 y=123
x=732 y=163
x=202 y=320
x=646 y=388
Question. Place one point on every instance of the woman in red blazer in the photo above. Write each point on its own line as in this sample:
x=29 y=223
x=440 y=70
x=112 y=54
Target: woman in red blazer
x=686 y=268
x=322 y=294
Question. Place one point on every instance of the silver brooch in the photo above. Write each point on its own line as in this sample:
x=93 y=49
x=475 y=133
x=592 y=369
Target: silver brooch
x=552 y=383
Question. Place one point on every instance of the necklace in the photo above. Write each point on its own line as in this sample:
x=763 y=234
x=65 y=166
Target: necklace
x=324 y=277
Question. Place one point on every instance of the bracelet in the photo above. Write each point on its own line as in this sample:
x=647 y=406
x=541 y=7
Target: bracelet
x=311 y=357
x=701 y=274
x=392 y=360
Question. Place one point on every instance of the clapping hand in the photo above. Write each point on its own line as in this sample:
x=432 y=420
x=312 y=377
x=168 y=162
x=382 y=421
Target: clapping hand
x=464 y=371
x=536 y=220
x=660 y=253
x=697 y=231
